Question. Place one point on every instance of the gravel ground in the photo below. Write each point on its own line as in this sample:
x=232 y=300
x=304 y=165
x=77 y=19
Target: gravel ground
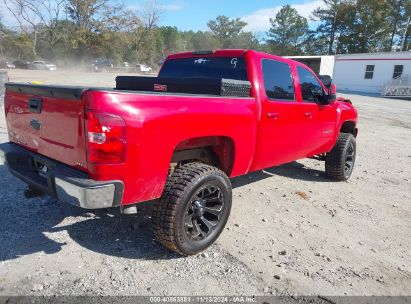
x=291 y=232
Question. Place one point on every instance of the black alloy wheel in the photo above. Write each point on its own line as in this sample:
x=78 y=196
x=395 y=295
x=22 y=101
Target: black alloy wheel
x=204 y=212
x=194 y=208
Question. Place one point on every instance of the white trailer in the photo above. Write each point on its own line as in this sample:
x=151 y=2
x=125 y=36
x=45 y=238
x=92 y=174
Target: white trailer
x=371 y=72
x=385 y=73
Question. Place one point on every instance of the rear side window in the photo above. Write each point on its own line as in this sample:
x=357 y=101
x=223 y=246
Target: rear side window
x=311 y=88
x=278 y=81
x=205 y=67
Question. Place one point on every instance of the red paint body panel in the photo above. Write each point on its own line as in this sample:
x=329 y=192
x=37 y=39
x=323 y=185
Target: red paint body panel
x=157 y=124
x=262 y=132
x=61 y=136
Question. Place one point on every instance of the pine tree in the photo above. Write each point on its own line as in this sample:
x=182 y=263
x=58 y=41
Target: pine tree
x=288 y=32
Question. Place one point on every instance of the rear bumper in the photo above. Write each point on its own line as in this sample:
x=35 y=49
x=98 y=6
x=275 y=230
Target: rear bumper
x=60 y=181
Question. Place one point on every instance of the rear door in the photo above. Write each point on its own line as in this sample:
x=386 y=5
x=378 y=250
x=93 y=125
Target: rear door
x=319 y=121
x=279 y=135
x=47 y=120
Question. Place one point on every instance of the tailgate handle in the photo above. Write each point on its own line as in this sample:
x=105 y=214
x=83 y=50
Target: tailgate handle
x=35 y=105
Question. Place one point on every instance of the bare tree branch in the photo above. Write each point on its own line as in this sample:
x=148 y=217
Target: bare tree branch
x=151 y=14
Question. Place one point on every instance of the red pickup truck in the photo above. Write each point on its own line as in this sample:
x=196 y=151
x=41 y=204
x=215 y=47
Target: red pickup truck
x=176 y=139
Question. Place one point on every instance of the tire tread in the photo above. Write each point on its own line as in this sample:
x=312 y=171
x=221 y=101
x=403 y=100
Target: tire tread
x=165 y=209
x=334 y=162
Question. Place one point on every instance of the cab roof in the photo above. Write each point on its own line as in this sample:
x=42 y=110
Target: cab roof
x=230 y=53
x=218 y=53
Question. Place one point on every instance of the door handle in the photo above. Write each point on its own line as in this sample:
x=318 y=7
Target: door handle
x=273 y=115
x=308 y=114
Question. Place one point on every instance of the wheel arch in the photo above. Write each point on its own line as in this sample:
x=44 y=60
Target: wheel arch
x=349 y=127
x=217 y=151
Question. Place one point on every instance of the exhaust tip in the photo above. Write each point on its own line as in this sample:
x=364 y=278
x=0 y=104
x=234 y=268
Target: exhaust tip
x=128 y=210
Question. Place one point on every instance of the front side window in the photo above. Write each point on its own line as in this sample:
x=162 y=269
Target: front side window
x=311 y=89
x=369 y=71
x=398 y=69
x=278 y=81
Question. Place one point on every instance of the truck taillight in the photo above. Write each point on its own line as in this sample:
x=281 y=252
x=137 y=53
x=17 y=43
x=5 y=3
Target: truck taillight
x=106 y=138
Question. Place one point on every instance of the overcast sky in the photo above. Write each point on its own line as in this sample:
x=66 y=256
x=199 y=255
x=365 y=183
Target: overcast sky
x=194 y=14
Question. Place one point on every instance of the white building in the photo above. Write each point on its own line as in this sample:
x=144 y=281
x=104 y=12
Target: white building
x=322 y=65
x=368 y=73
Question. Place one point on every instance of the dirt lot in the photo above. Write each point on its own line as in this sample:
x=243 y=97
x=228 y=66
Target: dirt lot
x=291 y=231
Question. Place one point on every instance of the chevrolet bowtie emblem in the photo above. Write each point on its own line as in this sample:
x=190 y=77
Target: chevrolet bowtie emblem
x=35 y=124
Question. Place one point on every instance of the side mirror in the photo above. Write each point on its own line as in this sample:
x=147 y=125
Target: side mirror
x=330 y=96
x=326 y=80
x=333 y=92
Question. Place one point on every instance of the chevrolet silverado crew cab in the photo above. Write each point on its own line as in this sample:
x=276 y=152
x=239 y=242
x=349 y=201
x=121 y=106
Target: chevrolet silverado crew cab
x=176 y=139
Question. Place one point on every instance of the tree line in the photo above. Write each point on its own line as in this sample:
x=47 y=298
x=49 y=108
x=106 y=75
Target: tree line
x=79 y=30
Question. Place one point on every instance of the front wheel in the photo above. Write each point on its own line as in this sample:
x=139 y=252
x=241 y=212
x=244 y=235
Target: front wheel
x=193 y=210
x=339 y=162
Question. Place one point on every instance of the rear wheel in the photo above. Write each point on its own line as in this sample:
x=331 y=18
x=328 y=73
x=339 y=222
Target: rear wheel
x=193 y=209
x=339 y=162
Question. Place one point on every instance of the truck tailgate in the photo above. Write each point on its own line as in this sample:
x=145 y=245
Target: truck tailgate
x=48 y=120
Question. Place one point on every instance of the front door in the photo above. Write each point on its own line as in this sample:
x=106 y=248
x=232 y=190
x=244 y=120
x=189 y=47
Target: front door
x=319 y=121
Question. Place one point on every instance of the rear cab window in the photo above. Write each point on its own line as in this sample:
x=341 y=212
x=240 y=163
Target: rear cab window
x=205 y=67
x=278 y=80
